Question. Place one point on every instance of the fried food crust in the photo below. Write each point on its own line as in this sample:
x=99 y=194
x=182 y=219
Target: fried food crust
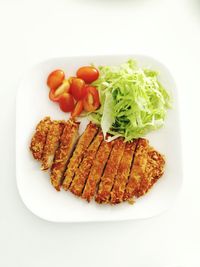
x=81 y=175
x=110 y=172
x=154 y=170
x=107 y=180
x=39 y=138
x=63 y=153
x=52 y=143
x=83 y=143
x=97 y=170
x=123 y=173
x=137 y=172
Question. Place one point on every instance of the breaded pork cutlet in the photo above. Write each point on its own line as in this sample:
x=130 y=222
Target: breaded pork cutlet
x=67 y=142
x=82 y=173
x=39 y=138
x=158 y=163
x=52 y=143
x=107 y=180
x=97 y=170
x=121 y=179
x=138 y=170
x=83 y=143
x=154 y=170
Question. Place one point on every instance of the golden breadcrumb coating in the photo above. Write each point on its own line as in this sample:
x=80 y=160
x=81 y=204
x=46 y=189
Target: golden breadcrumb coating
x=81 y=175
x=109 y=172
x=39 y=138
x=158 y=163
x=138 y=169
x=63 y=153
x=83 y=143
x=97 y=170
x=52 y=143
x=107 y=180
x=154 y=170
x=121 y=179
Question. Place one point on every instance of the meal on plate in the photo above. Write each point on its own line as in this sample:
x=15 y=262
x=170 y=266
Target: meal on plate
x=111 y=161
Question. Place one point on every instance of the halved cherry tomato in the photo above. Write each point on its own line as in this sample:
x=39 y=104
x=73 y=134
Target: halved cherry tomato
x=88 y=73
x=77 y=88
x=71 y=78
x=91 y=101
x=63 y=88
x=54 y=95
x=66 y=102
x=55 y=79
x=78 y=109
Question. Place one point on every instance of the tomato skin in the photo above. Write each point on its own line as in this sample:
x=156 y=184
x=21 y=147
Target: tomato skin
x=55 y=79
x=88 y=73
x=77 y=88
x=91 y=102
x=66 y=102
x=78 y=109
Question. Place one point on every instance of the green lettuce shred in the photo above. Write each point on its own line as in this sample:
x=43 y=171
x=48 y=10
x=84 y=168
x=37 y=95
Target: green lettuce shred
x=133 y=102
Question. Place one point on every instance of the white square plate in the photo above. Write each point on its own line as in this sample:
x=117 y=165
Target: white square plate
x=34 y=185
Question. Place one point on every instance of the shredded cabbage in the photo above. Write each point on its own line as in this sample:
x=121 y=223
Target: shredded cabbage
x=133 y=102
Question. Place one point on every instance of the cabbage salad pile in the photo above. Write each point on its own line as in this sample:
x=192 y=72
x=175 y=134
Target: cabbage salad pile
x=133 y=102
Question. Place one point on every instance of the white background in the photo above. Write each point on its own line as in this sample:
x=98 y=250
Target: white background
x=168 y=30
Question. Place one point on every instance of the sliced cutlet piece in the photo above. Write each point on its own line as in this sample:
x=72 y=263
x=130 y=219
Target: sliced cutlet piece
x=97 y=170
x=52 y=143
x=83 y=143
x=39 y=138
x=158 y=161
x=67 y=142
x=107 y=180
x=121 y=179
x=82 y=172
x=137 y=172
x=154 y=170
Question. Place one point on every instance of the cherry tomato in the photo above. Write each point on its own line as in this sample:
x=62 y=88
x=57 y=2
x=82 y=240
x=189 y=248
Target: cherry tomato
x=63 y=88
x=55 y=79
x=78 y=109
x=91 y=101
x=88 y=73
x=66 y=102
x=71 y=79
x=54 y=95
x=77 y=88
